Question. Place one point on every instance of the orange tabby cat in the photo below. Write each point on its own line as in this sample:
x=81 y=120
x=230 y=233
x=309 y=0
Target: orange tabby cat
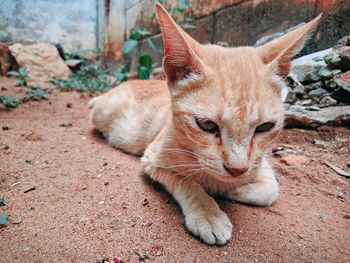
x=206 y=129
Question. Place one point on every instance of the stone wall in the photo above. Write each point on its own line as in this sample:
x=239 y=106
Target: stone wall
x=243 y=22
x=76 y=25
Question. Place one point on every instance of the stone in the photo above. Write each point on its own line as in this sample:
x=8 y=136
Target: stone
x=42 y=61
x=319 y=93
x=331 y=116
x=307 y=74
x=299 y=90
x=267 y=38
x=312 y=108
x=342 y=91
x=305 y=70
x=73 y=64
x=7 y=62
x=295 y=160
x=343 y=42
x=327 y=101
x=290 y=98
x=343 y=54
x=307 y=102
x=313 y=86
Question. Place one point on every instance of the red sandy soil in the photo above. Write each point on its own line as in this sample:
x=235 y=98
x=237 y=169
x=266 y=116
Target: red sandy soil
x=89 y=199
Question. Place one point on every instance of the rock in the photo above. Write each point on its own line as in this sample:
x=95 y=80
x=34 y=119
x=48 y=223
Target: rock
x=74 y=64
x=342 y=91
x=343 y=63
x=312 y=108
x=295 y=160
x=306 y=69
x=42 y=61
x=327 y=101
x=313 y=86
x=307 y=102
x=343 y=42
x=296 y=108
x=290 y=98
x=307 y=74
x=7 y=62
x=318 y=93
x=298 y=116
x=263 y=40
x=299 y=91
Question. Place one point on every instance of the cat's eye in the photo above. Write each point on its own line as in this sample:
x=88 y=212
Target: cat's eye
x=208 y=126
x=267 y=126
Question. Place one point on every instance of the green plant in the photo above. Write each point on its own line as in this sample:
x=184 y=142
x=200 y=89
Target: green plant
x=21 y=76
x=90 y=79
x=328 y=59
x=9 y=102
x=36 y=93
x=145 y=67
x=181 y=13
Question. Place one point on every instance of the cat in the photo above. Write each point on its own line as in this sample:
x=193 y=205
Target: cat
x=205 y=130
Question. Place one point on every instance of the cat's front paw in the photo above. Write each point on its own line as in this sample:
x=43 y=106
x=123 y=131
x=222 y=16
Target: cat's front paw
x=213 y=228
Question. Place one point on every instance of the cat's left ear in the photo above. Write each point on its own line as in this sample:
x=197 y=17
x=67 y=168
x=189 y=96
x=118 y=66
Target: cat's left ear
x=279 y=52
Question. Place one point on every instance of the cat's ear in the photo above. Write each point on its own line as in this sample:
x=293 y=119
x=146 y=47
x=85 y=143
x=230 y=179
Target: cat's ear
x=180 y=59
x=279 y=52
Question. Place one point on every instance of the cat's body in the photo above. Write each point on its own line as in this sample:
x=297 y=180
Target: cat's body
x=210 y=133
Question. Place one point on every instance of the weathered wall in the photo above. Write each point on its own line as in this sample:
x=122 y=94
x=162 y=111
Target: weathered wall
x=243 y=22
x=75 y=24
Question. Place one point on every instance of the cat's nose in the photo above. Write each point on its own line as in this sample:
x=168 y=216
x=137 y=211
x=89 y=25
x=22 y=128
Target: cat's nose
x=235 y=171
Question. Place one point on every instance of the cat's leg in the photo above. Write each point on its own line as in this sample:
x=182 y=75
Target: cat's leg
x=203 y=217
x=263 y=191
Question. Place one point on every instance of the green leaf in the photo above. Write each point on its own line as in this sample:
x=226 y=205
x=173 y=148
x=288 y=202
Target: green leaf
x=146 y=61
x=129 y=46
x=180 y=21
x=336 y=71
x=13 y=73
x=189 y=19
x=183 y=4
x=188 y=26
x=143 y=73
x=4 y=219
x=318 y=59
x=22 y=71
x=325 y=72
x=140 y=32
x=9 y=102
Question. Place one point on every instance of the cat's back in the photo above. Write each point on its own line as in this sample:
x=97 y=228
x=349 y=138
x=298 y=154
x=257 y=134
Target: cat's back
x=131 y=114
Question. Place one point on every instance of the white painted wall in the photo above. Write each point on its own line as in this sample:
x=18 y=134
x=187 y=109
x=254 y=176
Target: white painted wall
x=76 y=24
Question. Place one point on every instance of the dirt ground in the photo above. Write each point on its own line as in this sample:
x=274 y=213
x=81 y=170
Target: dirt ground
x=91 y=201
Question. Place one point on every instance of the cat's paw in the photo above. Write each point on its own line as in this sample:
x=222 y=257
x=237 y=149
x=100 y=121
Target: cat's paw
x=212 y=228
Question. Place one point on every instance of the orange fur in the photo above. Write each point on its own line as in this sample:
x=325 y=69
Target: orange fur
x=236 y=88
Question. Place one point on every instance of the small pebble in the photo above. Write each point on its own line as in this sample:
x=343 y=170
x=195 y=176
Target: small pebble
x=17 y=222
x=295 y=160
x=145 y=202
x=322 y=216
x=148 y=223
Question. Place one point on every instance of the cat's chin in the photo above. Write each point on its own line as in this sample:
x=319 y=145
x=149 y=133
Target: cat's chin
x=227 y=178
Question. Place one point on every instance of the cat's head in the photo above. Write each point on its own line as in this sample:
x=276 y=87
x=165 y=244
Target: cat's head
x=226 y=102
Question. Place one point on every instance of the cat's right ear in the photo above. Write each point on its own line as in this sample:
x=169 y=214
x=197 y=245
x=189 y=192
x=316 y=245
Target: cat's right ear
x=180 y=59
